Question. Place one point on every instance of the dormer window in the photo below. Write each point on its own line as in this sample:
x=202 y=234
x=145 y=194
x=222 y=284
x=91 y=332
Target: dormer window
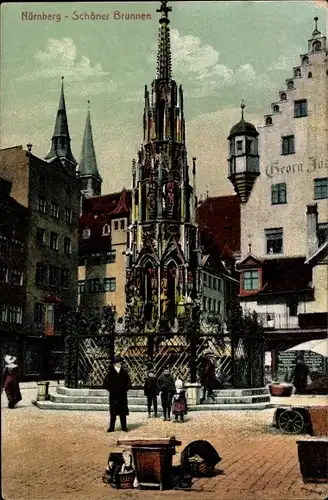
x=251 y=280
x=283 y=96
x=297 y=72
x=268 y=120
x=106 y=230
x=305 y=60
x=276 y=108
x=290 y=85
x=316 y=46
x=86 y=233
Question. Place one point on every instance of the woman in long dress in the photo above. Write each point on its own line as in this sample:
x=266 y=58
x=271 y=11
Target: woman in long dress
x=10 y=381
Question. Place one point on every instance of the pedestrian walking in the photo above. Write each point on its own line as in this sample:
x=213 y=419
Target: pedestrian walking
x=151 y=391
x=167 y=390
x=300 y=376
x=117 y=383
x=179 y=402
x=10 y=381
x=207 y=376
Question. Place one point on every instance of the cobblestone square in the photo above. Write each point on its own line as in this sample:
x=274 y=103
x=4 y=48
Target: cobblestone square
x=62 y=455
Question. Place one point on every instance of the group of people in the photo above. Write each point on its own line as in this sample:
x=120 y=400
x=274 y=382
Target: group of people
x=117 y=382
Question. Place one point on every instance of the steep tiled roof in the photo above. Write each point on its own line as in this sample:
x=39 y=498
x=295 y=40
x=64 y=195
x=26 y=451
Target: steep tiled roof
x=286 y=275
x=219 y=221
x=105 y=204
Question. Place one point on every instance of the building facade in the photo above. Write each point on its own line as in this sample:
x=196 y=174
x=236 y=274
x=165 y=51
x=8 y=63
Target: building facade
x=13 y=239
x=50 y=190
x=284 y=218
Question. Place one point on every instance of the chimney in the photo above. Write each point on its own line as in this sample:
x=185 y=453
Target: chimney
x=312 y=226
x=5 y=188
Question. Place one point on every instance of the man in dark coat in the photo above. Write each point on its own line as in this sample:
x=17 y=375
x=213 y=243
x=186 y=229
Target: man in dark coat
x=300 y=375
x=117 y=382
x=207 y=376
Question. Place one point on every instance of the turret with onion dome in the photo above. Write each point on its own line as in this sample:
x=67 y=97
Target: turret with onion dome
x=243 y=157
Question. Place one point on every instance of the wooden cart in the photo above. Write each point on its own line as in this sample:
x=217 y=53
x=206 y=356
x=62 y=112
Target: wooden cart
x=292 y=419
x=153 y=461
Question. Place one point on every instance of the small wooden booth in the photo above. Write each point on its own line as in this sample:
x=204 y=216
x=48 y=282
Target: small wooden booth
x=153 y=460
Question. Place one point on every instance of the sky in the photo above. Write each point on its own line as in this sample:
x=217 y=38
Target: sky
x=222 y=52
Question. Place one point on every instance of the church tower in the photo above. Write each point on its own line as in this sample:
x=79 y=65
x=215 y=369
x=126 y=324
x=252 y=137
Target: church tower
x=163 y=256
x=88 y=169
x=61 y=141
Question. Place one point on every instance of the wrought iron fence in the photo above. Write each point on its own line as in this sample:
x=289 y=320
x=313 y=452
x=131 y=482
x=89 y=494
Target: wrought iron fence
x=240 y=362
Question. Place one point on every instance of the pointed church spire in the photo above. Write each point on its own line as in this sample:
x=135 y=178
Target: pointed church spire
x=61 y=141
x=88 y=161
x=88 y=168
x=164 y=47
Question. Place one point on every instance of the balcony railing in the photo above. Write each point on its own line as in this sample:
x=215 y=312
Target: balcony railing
x=275 y=321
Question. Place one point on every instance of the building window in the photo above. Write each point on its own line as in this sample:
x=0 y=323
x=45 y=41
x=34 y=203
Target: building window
x=274 y=240
x=41 y=274
x=251 y=280
x=205 y=304
x=86 y=233
x=292 y=308
x=219 y=285
x=54 y=211
x=116 y=225
x=278 y=194
x=81 y=287
x=283 y=96
x=209 y=304
x=15 y=277
x=95 y=259
x=276 y=108
x=297 y=72
x=205 y=279
x=111 y=257
x=106 y=230
x=42 y=205
x=11 y=314
x=65 y=277
x=68 y=215
x=94 y=285
x=268 y=120
x=288 y=145
x=122 y=224
x=215 y=287
x=316 y=46
x=209 y=281
x=322 y=233
x=321 y=188
x=54 y=241
x=290 y=85
x=309 y=74
x=67 y=246
x=305 y=60
x=109 y=284
x=219 y=307
x=54 y=276
x=239 y=146
x=300 y=108
x=39 y=314
x=40 y=236
x=3 y=274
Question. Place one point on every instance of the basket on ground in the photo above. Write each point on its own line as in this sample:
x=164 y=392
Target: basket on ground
x=198 y=467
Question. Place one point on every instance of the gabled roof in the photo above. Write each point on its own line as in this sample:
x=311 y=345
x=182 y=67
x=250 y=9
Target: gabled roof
x=219 y=222
x=106 y=203
x=123 y=206
x=249 y=261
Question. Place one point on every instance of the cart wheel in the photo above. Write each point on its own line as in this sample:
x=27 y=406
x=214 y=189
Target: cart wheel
x=291 y=422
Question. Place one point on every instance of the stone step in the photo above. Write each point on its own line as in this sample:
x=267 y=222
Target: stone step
x=95 y=392
x=94 y=399
x=241 y=392
x=243 y=399
x=50 y=405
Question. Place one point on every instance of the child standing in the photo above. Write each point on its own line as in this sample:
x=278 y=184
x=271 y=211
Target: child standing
x=167 y=389
x=151 y=391
x=179 y=406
